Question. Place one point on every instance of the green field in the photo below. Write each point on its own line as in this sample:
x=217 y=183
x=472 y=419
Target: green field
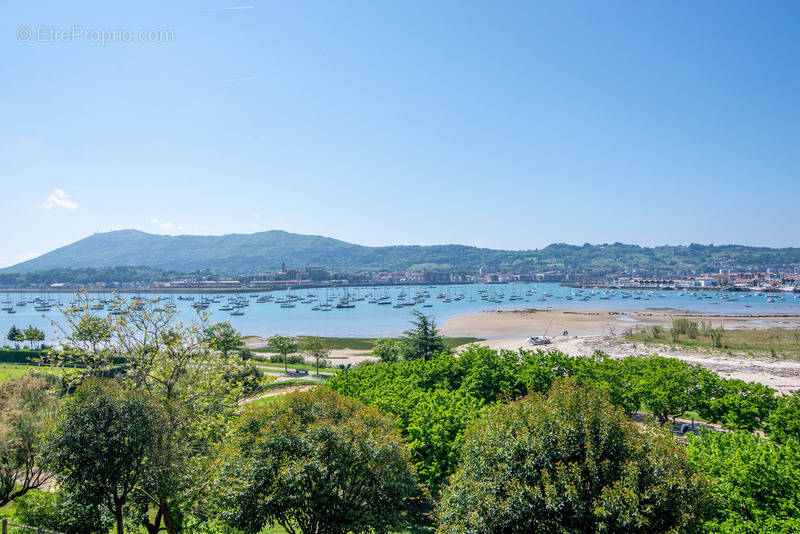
x=310 y=368
x=366 y=343
x=765 y=342
x=11 y=371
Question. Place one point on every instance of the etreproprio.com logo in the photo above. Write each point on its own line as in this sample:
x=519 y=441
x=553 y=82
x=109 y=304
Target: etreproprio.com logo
x=101 y=36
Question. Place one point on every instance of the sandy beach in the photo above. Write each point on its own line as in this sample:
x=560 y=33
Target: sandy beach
x=582 y=322
x=589 y=330
x=593 y=329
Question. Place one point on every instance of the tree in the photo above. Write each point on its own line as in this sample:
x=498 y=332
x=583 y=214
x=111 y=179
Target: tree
x=387 y=350
x=15 y=336
x=33 y=335
x=738 y=405
x=224 y=338
x=100 y=443
x=669 y=387
x=315 y=462
x=422 y=341
x=754 y=483
x=25 y=405
x=59 y=511
x=316 y=349
x=568 y=461
x=436 y=432
x=784 y=421
x=196 y=387
x=283 y=346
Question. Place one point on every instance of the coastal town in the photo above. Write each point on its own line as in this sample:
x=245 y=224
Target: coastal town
x=727 y=279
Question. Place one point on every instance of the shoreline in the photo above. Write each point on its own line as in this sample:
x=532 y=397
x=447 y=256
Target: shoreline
x=597 y=321
x=591 y=330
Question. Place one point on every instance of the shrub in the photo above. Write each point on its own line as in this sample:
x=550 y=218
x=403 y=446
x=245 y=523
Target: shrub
x=784 y=421
x=754 y=482
x=675 y=334
x=293 y=359
x=61 y=512
x=657 y=332
x=568 y=461
x=315 y=462
x=716 y=337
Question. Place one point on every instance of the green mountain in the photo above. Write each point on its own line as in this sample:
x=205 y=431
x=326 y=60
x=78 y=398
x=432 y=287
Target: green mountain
x=250 y=253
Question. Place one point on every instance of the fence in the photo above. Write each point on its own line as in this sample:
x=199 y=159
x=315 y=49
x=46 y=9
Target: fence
x=5 y=523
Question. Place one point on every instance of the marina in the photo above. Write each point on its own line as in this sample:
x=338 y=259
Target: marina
x=373 y=311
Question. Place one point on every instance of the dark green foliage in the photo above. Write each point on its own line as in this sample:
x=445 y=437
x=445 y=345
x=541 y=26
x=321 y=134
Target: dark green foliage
x=61 y=512
x=20 y=355
x=667 y=387
x=100 y=275
x=436 y=431
x=422 y=341
x=316 y=462
x=568 y=462
x=784 y=421
x=34 y=336
x=284 y=346
x=738 y=405
x=754 y=482
x=293 y=359
x=15 y=335
x=100 y=443
x=413 y=390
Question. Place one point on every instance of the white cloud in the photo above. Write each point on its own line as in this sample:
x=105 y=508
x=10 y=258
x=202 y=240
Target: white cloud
x=59 y=199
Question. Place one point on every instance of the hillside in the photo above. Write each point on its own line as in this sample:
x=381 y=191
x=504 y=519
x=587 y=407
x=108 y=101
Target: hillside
x=248 y=253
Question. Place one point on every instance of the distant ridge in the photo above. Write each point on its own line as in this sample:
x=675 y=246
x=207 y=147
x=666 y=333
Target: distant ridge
x=250 y=253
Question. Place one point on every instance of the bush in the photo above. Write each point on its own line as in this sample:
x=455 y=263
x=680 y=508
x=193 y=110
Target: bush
x=60 y=512
x=315 y=462
x=25 y=356
x=738 y=405
x=293 y=359
x=754 y=482
x=784 y=421
x=657 y=332
x=716 y=336
x=686 y=327
x=568 y=461
x=388 y=350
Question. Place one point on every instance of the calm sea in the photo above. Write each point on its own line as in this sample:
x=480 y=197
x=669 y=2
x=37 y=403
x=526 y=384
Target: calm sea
x=367 y=319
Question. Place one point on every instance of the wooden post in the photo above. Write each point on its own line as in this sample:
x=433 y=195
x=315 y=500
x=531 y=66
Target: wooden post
x=5 y=526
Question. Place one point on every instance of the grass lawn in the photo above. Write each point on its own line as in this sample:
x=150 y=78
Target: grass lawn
x=289 y=383
x=270 y=366
x=764 y=342
x=408 y=530
x=366 y=344
x=11 y=371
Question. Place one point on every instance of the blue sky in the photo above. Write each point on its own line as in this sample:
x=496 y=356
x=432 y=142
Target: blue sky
x=498 y=124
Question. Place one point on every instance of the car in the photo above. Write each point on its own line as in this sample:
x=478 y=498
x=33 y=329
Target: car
x=538 y=340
